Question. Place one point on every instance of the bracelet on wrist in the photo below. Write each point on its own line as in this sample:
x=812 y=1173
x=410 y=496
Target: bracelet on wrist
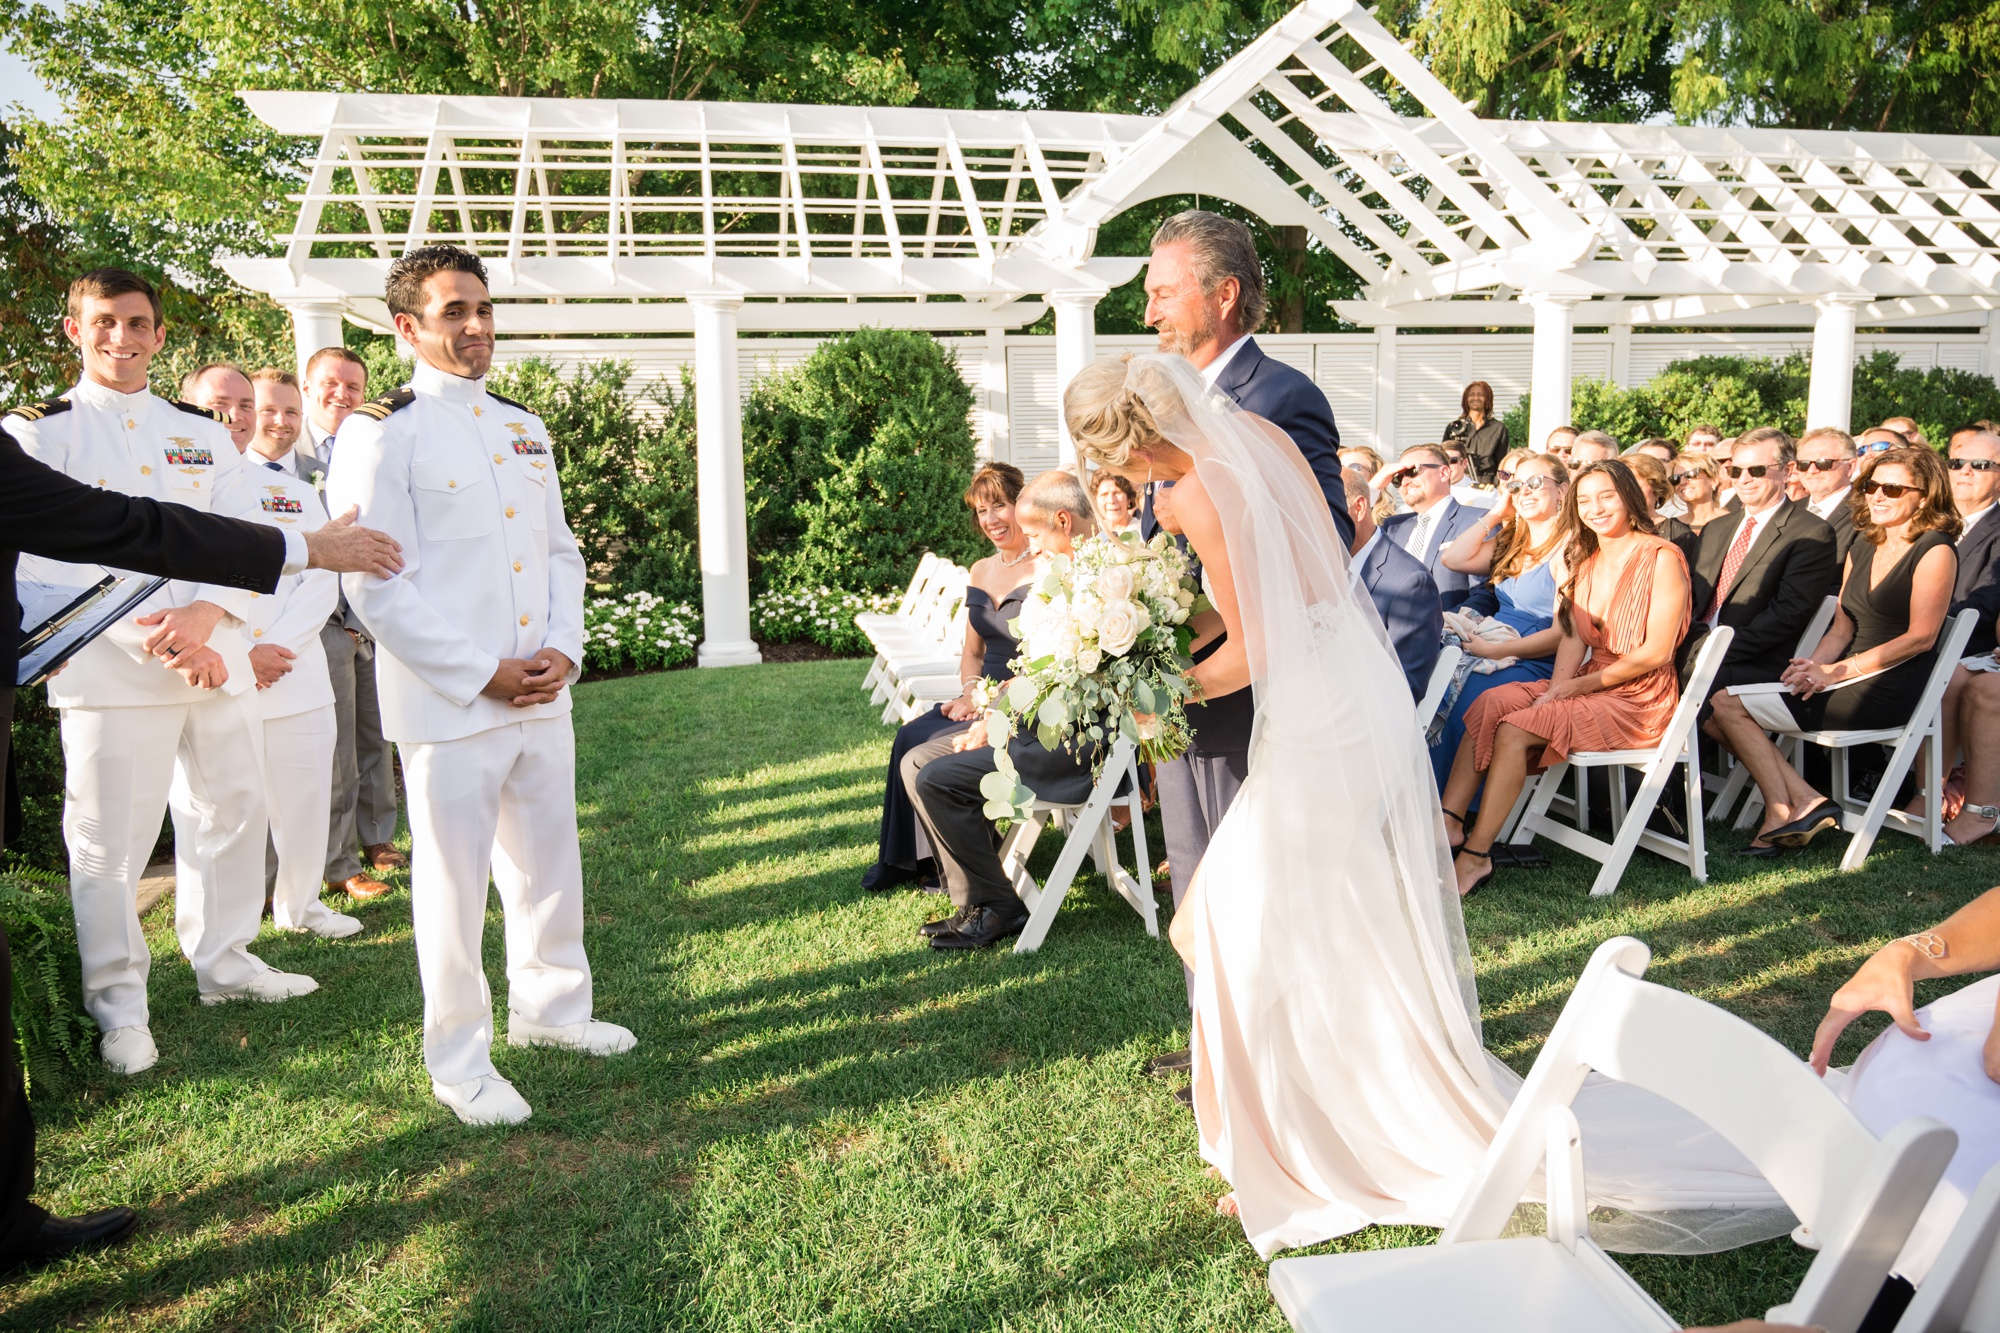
x=1928 y=943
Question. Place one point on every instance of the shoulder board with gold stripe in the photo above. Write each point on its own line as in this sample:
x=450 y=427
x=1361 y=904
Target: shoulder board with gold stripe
x=509 y=401
x=48 y=407
x=379 y=408
x=194 y=411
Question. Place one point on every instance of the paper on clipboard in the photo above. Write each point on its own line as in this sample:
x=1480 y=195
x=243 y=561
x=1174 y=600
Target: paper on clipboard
x=70 y=617
x=1765 y=701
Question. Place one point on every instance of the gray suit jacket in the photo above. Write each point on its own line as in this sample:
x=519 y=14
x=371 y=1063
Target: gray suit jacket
x=310 y=470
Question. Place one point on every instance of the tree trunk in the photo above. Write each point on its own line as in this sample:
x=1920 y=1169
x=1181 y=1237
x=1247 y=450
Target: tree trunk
x=1288 y=311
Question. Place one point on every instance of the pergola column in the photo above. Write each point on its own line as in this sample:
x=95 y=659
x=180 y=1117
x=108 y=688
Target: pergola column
x=315 y=324
x=1550 y=375
x=1076 y=347
x=1385 y=390
x=725 y=555
x=1830 y=394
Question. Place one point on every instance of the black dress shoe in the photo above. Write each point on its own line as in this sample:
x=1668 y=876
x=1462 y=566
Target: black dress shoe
x=1756 y=853
x=1173 y=1062
x=61 y=1236
x=1185 y=1096
x=982 y=928
x=942 y=924
x=1801 y=830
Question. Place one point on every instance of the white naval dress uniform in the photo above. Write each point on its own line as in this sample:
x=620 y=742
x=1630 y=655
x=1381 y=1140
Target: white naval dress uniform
x=132 y=729
x=297 y=709
x=466 y=482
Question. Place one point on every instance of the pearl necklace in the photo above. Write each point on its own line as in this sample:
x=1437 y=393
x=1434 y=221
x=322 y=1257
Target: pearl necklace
x=1005 y=563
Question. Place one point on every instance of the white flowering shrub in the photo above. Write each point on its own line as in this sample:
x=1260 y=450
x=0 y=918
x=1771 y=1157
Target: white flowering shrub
x=819 y=615
x=638 y=631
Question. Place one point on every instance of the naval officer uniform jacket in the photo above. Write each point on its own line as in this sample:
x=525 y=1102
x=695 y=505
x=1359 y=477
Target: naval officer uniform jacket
x=467 y=483
x=137 y=738
x=297 y=708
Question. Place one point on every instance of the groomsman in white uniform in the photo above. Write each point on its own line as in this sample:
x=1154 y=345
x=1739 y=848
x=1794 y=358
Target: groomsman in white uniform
x=293 y=688
x=479 y=639
x=162 y=699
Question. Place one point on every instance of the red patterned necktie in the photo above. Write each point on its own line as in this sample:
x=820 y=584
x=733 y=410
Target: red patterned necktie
x=1732 y=563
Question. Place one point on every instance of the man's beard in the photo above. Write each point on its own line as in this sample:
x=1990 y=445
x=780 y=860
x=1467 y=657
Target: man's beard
x=1182 y=342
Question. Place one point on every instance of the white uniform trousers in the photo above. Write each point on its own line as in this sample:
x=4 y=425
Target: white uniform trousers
x=298 y=789
x=499 y=802
x=123 y=767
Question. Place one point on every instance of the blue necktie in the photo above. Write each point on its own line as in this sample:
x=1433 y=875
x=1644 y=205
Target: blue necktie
x=275 y=467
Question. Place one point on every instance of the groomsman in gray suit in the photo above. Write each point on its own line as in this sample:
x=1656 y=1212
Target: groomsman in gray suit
x=363 y=816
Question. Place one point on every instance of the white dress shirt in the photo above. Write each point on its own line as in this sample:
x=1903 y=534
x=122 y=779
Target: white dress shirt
x=1824 y=508
x=319 y=443
x=1213 y=370
x=292 y=616
x=1969 y=521
x=1466 y=491
x=467 y=483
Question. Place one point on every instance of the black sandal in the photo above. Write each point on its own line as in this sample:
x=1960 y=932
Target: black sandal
x=1454 y=846
x=1481 y=882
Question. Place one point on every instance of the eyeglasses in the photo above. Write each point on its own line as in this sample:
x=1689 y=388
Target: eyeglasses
x=1397 y=478
x=1888 y=488
x=1454 y=459
x=1529 y=484
x=1976 y=464
x=1754 y=469
x=1505 y=477
x=1822 y=464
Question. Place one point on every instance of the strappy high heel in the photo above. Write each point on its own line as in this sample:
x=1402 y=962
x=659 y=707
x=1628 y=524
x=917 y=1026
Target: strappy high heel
x=1456 y=846
x=1483 y=880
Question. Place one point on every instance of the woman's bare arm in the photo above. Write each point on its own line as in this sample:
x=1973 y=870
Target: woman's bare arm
x=1968 y=941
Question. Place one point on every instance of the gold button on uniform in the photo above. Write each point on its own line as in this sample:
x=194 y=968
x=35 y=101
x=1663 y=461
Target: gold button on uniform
x=524 y=620
x=510 y=511
x=197 y=485
x=102 y=482
x=517 y=566
x=499 y=458
x=131 y=425
x=452 y=484
x=145 y=471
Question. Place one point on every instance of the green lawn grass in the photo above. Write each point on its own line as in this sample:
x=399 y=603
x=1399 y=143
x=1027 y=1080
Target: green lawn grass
x=825 y=1125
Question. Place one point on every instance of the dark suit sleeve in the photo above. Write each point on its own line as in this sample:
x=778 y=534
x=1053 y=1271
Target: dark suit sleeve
x=1980 y=582
x=43 y=512
x=1809 y=573
x=1295 y=405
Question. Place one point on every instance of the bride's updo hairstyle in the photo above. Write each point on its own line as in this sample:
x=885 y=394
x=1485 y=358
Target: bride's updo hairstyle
x=1107 y=415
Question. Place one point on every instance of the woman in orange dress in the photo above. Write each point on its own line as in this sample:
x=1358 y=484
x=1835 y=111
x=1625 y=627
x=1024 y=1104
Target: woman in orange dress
x=1623 y=609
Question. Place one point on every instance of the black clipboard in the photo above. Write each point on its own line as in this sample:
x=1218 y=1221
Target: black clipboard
x=58 y=621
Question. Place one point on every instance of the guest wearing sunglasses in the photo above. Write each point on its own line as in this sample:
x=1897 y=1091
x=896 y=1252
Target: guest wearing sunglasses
x=1463 y=488
x=1435 y=519
x=1969 y=698
x=1697 y=483
x=1826 y=470
x=1893 y=603
x=1975 y=487
x=1881 y=439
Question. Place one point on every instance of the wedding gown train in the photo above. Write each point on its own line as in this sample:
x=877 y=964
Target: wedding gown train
x=1340 y=1080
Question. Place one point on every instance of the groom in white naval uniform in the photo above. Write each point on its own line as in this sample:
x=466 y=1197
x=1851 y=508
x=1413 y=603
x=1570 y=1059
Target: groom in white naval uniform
x=480 y=636
x=164 y=699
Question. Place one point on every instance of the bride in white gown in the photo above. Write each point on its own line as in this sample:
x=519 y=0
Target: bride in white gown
x=1340 y=1079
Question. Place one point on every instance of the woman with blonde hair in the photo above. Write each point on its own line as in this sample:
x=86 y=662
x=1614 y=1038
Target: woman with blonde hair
x=1697 y=482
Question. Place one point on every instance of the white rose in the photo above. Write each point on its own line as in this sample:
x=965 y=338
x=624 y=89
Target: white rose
x=1085 y=612
x=1120 y=626
x=1089 y=660
x=1114 y=583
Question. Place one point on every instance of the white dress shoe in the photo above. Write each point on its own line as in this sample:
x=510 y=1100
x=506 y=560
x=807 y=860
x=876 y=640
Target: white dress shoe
x=128 y=1050
x=484 y=1101
x=269 y=987
x=589 y=1036
x=330 y=926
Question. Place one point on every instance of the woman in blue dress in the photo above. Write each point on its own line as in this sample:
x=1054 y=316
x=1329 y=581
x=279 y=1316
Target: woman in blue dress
x=993 y=599
x=1516 y=547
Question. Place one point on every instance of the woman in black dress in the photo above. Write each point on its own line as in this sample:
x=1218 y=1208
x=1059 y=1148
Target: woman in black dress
x=1893 y=604
x=993 y=598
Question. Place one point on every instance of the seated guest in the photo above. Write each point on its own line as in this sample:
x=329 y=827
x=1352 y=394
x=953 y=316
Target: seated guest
x=993 y=598
x=1972 y=720
x=1664 y=450
x=1762 y=569
x=1826 y=471
x=1593 y=446
x=1888 y=621
x=1516 y=547
x=1623 y=601
x=1881 y=440
x=1908 y=429
x=1975 y=486
x=1400 y=588
x=943 y=775
x=1560 y=441
x=1435 y=518
x=1117 y=504
x=1941 y=1061
x=1702 y=440
x=1697 y=482
x=1463 y=488
x=1652 y=475
x=1509 y=465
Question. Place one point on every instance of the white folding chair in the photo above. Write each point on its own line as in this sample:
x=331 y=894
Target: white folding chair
x=1088 y=829
x=1962 y=1293
x=1677 y=747
x=1729 y=784
x=871 y=622
x=931 y=647
x=1860 y=1195
x=1921 y=734
x=1447 y=663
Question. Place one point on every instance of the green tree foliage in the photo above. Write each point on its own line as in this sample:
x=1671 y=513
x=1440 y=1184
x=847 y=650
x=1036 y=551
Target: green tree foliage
x=857 y=460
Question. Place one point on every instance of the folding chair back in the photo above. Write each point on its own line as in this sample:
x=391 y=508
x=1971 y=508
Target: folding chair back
x=1962 y=1293
x=926 y=569
x=1860 y=1196
x=1447 y=664
x=1089 y=831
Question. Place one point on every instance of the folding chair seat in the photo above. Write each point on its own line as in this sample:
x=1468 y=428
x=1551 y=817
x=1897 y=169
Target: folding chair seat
x=1962 y=1293
x=1922 y=734
x=1676 y=748
x=1087 y=829
x=1729 y=784
x=1860 y=1195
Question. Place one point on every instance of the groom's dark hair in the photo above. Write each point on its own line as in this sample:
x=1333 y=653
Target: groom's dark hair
x=1223 y=248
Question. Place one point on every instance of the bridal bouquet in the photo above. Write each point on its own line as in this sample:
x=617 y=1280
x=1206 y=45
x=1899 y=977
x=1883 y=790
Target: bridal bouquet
x=1104 y=648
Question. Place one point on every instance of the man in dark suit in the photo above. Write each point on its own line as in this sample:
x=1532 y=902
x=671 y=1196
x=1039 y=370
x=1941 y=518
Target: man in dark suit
x=1975 y=489
x=1767 y=583
x=1401 y=589
x=1435 y=519
x=45 y=513
x=1825 y=467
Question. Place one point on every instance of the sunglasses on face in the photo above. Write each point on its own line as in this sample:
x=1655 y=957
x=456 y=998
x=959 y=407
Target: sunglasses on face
x=1888 y=488
x=1880 y=446
x=1822 y=464
x=1754 y=469
x=1529 y=484
x=1976 y=464
x=1683 y=478
x=1505 y=476
x=1402 y=475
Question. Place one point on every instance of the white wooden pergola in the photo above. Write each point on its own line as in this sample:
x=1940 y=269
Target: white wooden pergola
x=609 y=218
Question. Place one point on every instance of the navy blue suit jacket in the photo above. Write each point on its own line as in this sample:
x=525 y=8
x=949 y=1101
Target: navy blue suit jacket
x=1978 y=584
x=1289 y=400
x=1452 y=586
x=1409 y=604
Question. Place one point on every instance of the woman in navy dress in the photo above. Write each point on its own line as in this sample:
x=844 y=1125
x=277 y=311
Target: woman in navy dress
x=993 y=598
x=1516 y=547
